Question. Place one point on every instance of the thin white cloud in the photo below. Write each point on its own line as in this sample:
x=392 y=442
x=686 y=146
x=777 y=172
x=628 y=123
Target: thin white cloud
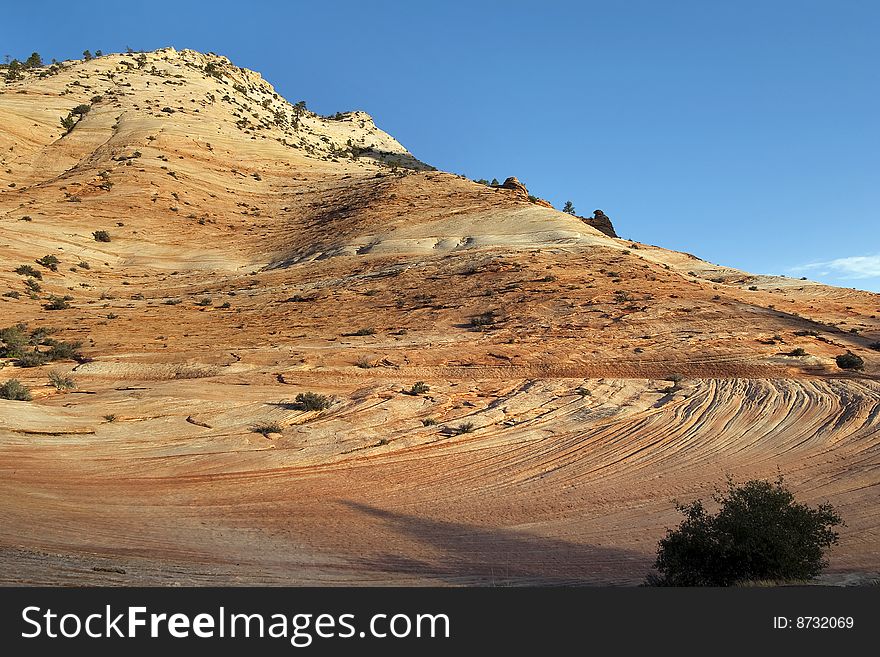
x=852 y=267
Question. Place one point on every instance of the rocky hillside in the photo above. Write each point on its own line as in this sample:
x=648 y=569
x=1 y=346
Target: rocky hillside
x=263 y=345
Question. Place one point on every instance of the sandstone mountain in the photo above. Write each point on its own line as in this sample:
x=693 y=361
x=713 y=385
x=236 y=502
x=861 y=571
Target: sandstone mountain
x=219 y=254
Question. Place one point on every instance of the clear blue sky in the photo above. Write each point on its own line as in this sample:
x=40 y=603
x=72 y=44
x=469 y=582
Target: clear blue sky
x=746 y=132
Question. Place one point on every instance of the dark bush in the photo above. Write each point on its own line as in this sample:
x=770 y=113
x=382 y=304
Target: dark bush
x=850 y=361
x=419 y=388
x=63 y=350
x=49 y=262
x=101 y=236
x=57 y=303
x=267 y=428
x=32 y=359
x=27 y=270
x=483 y=320
x=759 y=533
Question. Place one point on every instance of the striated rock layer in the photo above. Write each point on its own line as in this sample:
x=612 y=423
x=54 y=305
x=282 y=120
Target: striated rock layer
x=577 y=383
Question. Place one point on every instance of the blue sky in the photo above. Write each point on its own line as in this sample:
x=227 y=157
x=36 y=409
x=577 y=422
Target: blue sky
x=747 y=133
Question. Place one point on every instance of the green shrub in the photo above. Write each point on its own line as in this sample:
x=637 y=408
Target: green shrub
x=419 y=388
x=57 y=303
x=465 y=427
x=312 y=401
x=101 y=236
x=28 y=270
x=797 y=352
x=16 y=342
x=68 y=123
x=49 y=262
x=13 y=341
x=15 y=391
x=61 y=382
x=429 y=422
x=850 y=361
x=63 y=350
x=759 y=533
x=32 y=359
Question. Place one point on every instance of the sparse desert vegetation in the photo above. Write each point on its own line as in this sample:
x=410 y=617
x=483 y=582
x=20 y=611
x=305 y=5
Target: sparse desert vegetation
x=267 y=428
x=312 y=401
x=61 y=382
x=14 y=390
x=431 y=358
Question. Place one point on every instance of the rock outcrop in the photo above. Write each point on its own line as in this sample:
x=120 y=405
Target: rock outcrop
x=513 y=184
x=601 y=222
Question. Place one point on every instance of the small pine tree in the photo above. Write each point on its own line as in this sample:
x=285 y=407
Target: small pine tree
x=87 y=55
x=68 y=123
x=568 y=208
x=34 y=61
x=298 y=111
x=13 y=71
